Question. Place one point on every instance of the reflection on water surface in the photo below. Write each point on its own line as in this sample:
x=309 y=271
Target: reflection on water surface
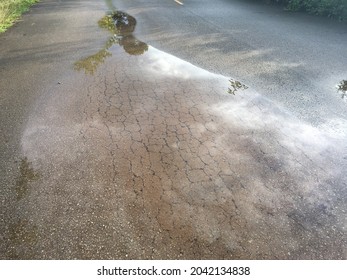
x=121 y=25
x=342 y=87
x=235 y=86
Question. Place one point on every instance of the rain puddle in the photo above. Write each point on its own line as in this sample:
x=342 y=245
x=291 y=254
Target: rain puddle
x=27 y=175
x=121 y=26
x=160 y=143
x=342 y=87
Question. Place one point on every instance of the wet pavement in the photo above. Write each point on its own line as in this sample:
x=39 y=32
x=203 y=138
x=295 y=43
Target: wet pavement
x=134 y=153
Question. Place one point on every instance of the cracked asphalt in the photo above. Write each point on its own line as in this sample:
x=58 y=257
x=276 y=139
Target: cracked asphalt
x=115 y=149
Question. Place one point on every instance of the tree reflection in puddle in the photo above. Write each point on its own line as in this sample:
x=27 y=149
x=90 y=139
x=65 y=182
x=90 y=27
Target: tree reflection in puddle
x=235 y=86
x=121 y=25
x=342 y=87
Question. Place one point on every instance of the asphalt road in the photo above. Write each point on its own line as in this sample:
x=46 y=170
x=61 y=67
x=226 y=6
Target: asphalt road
x=294 y=59
x=209 y=130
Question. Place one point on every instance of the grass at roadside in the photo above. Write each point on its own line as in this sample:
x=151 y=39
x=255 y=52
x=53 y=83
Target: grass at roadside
x=10 y=11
